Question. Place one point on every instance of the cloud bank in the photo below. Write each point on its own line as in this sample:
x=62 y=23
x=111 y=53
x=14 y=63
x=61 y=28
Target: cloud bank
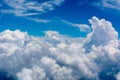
x=59 y=57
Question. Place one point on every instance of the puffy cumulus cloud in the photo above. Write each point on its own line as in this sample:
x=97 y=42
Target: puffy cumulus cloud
x=59 y=57
x=36 y=73
x=101 y=35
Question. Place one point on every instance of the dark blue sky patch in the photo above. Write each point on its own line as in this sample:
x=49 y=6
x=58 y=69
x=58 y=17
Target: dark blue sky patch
x=4 y=75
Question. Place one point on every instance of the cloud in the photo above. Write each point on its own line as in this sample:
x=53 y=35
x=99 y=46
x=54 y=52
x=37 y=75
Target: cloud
x=118 y=76
x=30 y=74
x=39 y=20
x=29 y=8
x=82 y=27
x=110 y=4
x=101 y=34
x=113 y=4
x=59 y=57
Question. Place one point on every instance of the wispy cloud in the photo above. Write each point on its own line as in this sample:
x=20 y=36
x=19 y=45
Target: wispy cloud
x=113 y=4
x=28 y=8
x=39 y=20
x=110 y=4
x=19 y=13
x=82 y=27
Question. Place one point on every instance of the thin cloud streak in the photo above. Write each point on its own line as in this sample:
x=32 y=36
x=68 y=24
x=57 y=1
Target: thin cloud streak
x=82 y=27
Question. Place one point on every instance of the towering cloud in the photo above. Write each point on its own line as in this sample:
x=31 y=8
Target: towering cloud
x=58 y=57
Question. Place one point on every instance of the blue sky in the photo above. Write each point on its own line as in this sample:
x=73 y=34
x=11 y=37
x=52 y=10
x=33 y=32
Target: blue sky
x=78 y=42
x=37 y=16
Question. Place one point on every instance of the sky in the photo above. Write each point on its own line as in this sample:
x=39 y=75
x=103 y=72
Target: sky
x=59 y=40
x=37 y=16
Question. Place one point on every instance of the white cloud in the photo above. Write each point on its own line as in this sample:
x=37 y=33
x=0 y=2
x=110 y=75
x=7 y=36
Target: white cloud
x=29 y=8
x=82 y=27
x=113 y=4
x=39 y=20
x=36 y=73
x=59 y=57
x=118 y=76
x=101 y=34
x=110 y=4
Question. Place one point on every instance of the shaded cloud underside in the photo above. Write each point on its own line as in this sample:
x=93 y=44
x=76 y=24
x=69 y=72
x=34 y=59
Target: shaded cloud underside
x=58 y=57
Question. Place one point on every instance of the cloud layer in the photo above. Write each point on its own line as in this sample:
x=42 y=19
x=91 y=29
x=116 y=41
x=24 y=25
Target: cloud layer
x=58 y=57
